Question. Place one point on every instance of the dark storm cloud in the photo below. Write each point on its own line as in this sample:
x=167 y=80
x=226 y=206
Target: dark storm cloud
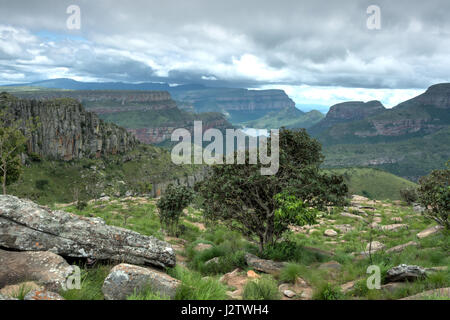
x=245 y=42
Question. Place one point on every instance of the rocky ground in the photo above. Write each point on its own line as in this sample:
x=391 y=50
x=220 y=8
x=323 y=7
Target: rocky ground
x=129 y=257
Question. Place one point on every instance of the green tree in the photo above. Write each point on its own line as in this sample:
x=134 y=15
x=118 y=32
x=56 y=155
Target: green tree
x=12 y=145
x=171 y=205
x=247 y=201
x=434 y=195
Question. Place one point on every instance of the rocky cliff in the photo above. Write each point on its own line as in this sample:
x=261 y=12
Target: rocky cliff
x=66 y=130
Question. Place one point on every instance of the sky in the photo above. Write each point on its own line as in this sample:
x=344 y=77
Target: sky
x=319 y=52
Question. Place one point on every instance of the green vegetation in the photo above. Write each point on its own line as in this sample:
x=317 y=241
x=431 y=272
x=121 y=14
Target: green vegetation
x=434 y=194
x=265 y=288
x=171 y=205
x=91 y=284
x=246 y=200
x=88 y=178
x=374 y=183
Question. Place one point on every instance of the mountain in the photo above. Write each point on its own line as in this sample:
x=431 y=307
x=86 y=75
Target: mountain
x=288 y=118
x=237 y=104
x=151 y=115
x=67 y=131
x=409 y=140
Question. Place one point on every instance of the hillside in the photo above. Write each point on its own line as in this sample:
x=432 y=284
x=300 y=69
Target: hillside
x=150 y=115
x=409 y=140
x=374 y=183
x=288 y=118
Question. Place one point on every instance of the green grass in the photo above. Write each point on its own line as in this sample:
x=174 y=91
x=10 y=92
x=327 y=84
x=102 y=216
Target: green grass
x=91 y=284
x=264 y=288
x=373 y=183
x=195 y=287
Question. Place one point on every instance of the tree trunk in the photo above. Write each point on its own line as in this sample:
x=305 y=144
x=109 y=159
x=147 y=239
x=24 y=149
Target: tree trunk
x=4 y=178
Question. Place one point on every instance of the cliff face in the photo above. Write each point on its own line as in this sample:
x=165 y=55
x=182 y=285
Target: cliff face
x=437 y=96
x=227 y=99
x=354 y=110
x=67 y=131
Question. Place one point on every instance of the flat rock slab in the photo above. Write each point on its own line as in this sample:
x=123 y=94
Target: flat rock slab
x=44 y=268
x=442 y=292
x=266 y=266
x=429 y=231
x=402 y=247
x=394 y=227
x=26 y=226
x=125 y=280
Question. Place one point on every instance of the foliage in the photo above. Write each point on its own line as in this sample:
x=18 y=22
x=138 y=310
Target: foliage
x=434 y=195
x=195 y=287
x=245 y=200
x=12 y=144
x=409 y=195
x=291 y=272
x=264 y=288
x=171 y=205
x=328 y=292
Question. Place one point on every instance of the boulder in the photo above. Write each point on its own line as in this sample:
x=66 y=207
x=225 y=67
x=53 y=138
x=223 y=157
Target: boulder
x=126 y=279
x=266 y=266
x=394 y=227
x=14 y=289
x=353 y=216
x=42 y=295
x=405 y=272
x=330 y=233
x=374 y=246
x=402 y=247
x=26 y=226
x=429 y=231
x=44 y=268
x=441 y=292
x=5 y=298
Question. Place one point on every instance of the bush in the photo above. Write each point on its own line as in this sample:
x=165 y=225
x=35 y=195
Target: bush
x=291 y=272
x=265 y=288
x=328 y=292
x=291 y=251
x=434 y=195
x=41 y=184
x=81 y=205
x=171 y=206
x=409 y=195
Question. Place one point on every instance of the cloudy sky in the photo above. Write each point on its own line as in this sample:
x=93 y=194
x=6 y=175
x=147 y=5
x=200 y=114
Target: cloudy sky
x=319 y=52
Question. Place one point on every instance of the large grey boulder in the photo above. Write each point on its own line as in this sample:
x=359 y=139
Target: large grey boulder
x=26 y=226
x=125 y=280
x=405 y=272
x=45 y=268
x=266 y=266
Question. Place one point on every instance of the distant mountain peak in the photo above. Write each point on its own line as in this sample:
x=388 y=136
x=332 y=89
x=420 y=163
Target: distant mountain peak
x=354 y=110
x=436 y=96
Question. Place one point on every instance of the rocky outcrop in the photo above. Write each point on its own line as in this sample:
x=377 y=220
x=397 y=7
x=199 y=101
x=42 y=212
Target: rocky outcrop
x=353 y=110
x=266 y=266
x=437 y=96
x=25 y=226
x=125 y=280
x=44 y=268
x=405 y=272
x=66 y=131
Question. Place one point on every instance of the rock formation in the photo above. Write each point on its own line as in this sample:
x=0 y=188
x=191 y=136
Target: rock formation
x=25 y=226
x=66 y=130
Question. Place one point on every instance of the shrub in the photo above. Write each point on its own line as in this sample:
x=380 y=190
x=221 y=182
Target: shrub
x=409 y=195
x=265 y=288
x=171 y=206
x=41 y=184
x=81 y=205
x=290 y=272
x=434 y=195
x=289 y=250
x=328 y=292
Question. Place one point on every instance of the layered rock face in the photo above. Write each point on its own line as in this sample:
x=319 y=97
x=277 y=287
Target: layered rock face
x=67 y=131
x=26 y=226
x=354 y=110
x=437 y=96
x=226 y=99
